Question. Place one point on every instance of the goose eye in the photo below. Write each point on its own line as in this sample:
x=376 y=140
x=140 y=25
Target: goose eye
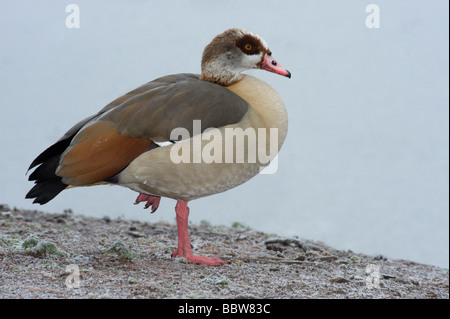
x=248 y=47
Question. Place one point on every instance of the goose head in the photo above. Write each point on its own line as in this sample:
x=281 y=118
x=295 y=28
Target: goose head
x=234 y=51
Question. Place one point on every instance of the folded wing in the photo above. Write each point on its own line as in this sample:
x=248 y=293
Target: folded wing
x=102 y=145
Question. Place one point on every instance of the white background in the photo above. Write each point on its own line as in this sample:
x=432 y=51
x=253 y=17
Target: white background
x=365 y=164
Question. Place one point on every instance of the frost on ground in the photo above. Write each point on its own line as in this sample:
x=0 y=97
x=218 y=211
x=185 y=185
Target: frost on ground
x=69 y=256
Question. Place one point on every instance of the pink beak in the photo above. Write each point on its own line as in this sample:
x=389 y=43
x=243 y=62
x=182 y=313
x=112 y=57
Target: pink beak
x=269 y=64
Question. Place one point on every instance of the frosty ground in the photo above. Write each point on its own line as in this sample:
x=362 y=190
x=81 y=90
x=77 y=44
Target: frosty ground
x=119 y=258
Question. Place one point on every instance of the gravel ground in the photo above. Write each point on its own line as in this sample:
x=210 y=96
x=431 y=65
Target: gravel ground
x=69 y=256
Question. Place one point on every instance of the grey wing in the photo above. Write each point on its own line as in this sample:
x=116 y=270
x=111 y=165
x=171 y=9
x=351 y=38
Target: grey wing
x=153 y=110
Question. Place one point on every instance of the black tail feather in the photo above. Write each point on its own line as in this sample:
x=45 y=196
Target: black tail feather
x=56 y=149
x=45 y=190
x=47 y=183
x=46 y=170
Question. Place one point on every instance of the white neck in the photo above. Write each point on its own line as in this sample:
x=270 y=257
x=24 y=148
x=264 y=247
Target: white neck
x=226 y=70
x=217 y=72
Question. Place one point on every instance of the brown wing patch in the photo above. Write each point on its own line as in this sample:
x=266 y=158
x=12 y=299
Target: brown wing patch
x=98 y=152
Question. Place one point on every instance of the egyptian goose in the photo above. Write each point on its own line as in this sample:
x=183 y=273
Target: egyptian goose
x=123 y=144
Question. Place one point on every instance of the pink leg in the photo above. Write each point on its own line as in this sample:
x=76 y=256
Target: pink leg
x=184 y=245
x=151 y=201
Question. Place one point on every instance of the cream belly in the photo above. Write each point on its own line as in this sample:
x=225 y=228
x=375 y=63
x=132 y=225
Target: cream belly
x=156 y=173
